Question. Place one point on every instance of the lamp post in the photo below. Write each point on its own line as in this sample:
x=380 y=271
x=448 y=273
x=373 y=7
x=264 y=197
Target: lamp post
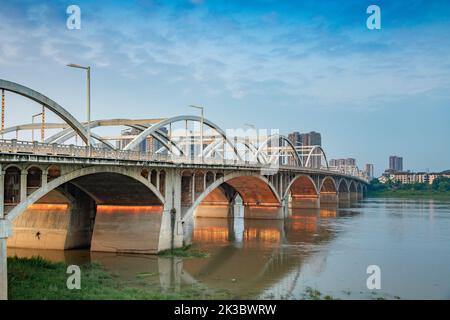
x=201 y=129
x=88 y=73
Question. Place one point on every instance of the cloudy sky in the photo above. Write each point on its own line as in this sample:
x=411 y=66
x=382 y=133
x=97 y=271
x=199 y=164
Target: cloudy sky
x=287 y=65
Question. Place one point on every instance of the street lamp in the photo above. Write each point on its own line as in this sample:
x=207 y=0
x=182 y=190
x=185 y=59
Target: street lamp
x=201 y=129
x=88 y=72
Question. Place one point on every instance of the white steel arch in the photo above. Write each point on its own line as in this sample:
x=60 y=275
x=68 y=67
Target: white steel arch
x=284 y=138
x=48 y=103
x=308 y=159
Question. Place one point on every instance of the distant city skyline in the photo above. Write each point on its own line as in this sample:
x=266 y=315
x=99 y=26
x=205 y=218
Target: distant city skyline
x=293 y=66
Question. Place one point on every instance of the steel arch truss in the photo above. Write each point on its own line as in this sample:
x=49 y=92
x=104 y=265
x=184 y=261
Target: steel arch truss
x=277 y=154
x=154 y=128
x=48 y=103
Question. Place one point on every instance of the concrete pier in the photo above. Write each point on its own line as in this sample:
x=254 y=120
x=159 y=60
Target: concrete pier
x=127 y=229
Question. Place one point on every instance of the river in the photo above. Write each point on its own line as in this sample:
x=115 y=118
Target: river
x=328 y=250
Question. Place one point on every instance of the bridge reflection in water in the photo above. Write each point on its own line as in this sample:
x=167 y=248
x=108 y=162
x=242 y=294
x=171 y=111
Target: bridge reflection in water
x=248 y=258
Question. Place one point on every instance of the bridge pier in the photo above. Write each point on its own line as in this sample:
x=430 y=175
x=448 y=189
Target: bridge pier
x=264 y=212
x=329 y=200
x=354 y=196
x=360 y=196
x=344 y=199
x=5 y=232
x=171 y=230
x=3 y=265
x=304 y=202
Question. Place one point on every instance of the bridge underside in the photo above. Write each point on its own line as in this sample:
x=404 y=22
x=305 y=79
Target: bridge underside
x=92 y=211
x=246 y=196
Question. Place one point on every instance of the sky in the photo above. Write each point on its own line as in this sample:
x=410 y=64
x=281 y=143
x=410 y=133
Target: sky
x=286 y=65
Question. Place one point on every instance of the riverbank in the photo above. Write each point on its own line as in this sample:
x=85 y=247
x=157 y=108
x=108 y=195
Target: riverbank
x=413 y=194
x=39 y=279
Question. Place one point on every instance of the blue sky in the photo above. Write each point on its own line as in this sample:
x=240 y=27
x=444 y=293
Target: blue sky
x=289 y=65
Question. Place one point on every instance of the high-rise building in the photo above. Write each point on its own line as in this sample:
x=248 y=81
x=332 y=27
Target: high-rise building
x=350 y=162
x=295 y=138
x=305 y=140
x=395 y=163
x=369 y=170
x=311 y=139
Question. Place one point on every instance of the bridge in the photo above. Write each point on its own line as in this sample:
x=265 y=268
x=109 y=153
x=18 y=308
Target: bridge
x=138 y=191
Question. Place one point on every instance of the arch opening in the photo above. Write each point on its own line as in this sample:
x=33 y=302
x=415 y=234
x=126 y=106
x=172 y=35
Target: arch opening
x=34 y=179
x=343 y=193
x=259 y=198
x=353 y=190
x=110 y=211
x=12 y=186
x=328 y=192
x=302 y=193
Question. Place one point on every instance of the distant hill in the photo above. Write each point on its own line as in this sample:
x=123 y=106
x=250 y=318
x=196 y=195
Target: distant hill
x=446 y=172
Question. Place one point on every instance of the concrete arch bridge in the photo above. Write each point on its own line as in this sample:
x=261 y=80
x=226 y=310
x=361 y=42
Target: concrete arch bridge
x=122 y=197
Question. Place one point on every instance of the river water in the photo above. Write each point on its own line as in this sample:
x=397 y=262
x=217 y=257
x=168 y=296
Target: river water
x=328 y=250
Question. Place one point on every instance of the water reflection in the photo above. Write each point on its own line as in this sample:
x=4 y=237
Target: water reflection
x=328 y=249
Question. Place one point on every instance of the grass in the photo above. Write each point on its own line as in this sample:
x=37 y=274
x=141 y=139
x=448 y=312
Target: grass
x=38 y=279
x=417 y=194
x=185 y=252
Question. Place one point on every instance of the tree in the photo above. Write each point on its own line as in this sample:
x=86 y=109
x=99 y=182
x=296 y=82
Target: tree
x=441 y=184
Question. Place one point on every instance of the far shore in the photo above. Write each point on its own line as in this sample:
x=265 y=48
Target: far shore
x=413 y=194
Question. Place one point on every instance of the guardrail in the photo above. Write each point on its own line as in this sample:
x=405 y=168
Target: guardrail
x=37 y=148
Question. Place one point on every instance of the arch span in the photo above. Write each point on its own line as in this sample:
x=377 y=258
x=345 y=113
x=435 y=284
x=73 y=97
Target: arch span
x=328 y=192
x=302 y=185
x=254 y=189
x=48 y=103
x=302 y=193
x=328 y=185
x=343 y=190
x=343 y=186
x=93 y=172
x=310 y=154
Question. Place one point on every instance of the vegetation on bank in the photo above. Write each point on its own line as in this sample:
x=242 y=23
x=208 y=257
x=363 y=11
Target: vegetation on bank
x=184 y=252
x=439 y=189
x=38 y=279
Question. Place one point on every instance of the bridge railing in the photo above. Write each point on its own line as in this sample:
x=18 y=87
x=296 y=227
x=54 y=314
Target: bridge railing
x=25 y=147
